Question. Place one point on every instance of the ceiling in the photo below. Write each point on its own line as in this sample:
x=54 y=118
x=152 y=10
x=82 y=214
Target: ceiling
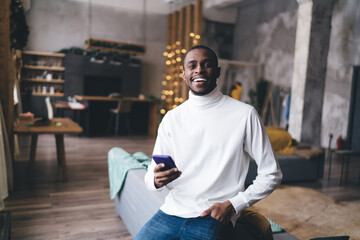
x=215 y=10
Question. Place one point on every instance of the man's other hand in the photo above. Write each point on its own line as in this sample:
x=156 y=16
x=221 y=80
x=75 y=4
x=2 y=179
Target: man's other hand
x=220 y=211
x=161 y=178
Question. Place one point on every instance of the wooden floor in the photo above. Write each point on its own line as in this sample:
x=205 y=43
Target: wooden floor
x=81 y=208
x=78 y=209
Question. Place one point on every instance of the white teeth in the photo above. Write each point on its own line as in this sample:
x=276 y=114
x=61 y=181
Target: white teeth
x=200 y=80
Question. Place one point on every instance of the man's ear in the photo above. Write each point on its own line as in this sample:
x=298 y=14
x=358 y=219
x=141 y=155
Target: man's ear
x=218 y=72
x=183 y=74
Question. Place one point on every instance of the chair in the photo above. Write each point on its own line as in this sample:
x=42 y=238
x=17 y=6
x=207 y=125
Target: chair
x=345 y=155
x=123 y=108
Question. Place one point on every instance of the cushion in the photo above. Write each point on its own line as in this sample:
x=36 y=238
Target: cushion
x=281 y=140
x=252 y=225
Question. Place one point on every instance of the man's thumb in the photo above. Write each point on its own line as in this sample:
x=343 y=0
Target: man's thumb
x=206 y=212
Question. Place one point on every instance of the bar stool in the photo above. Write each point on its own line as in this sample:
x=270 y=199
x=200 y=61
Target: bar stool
x=123 y=108
x=345 y=158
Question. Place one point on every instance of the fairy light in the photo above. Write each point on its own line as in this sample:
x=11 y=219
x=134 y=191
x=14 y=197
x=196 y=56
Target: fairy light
x=173 y=78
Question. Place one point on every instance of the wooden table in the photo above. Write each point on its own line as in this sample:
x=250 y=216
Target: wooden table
x=5 y=225
x=152 y=124
x=58 y=127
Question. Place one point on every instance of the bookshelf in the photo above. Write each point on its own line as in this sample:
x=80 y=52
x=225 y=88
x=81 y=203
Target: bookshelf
x=43 y=73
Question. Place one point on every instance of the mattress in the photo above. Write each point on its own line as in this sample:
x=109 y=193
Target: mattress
x=135 y=204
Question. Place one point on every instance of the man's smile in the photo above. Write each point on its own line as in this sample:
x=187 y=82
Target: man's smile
x=200 y=80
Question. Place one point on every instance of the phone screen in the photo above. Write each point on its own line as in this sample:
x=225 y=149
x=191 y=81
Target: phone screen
x=167 y=160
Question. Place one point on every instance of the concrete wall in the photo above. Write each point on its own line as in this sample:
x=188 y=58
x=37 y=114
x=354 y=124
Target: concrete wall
x=265 y=33
x=58 y=24
x=219 y=37
x=344 y=53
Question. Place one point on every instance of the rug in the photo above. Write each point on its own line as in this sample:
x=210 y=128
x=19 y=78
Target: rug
x=306 y=213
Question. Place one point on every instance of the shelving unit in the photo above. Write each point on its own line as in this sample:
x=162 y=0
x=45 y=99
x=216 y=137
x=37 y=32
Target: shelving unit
x=42 y=75
x=113 y=46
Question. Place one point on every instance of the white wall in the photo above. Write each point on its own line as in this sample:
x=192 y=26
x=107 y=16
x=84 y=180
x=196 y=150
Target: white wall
x=61 y=24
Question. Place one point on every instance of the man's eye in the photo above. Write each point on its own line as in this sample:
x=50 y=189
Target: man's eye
x=191 y=66
x=208 y=65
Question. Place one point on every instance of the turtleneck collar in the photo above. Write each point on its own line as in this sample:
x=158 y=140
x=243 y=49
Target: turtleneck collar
x=206 y=100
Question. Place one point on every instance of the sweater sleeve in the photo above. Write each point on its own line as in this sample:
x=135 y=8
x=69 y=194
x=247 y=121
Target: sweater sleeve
x=258 y=146
x=162 y=147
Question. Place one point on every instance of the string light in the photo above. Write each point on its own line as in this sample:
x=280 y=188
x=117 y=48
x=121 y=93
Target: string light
x=173 y=78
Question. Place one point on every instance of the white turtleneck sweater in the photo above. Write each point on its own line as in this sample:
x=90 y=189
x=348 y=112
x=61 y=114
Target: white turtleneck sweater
x=212 y=138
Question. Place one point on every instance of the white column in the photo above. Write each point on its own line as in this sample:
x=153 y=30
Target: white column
x=309 y=74
x=301 y=55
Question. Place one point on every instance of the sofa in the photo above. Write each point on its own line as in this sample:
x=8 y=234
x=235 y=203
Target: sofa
x=135 y=204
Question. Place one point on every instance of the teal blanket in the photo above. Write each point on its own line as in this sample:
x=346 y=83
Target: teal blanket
x=275 y=228
x=119 y=163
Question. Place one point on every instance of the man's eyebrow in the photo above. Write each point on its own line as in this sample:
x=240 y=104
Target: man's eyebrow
x=191 y=61
x=204 y=60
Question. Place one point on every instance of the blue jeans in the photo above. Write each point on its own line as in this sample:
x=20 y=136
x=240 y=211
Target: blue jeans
x=166 y=227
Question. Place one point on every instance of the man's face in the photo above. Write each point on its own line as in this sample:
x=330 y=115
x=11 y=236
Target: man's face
x=200 y=71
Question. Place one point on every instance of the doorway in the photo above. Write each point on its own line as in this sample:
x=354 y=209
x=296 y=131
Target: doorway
x=353 y=131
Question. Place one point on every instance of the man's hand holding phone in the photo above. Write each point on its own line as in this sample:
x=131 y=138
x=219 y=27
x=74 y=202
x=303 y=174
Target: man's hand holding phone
x=165 y=170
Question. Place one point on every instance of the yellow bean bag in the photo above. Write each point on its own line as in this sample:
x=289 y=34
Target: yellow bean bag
x=280 y=139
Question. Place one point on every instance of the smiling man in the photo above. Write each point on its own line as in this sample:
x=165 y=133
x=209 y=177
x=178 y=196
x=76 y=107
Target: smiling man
x=211 y=138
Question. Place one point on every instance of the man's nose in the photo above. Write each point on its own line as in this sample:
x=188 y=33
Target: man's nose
x=199 y=68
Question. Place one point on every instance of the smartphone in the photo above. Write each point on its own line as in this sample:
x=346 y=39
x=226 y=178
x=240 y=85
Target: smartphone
x=167 y=160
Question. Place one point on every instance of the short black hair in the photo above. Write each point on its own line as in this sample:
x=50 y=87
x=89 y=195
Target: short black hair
x=213 y=54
